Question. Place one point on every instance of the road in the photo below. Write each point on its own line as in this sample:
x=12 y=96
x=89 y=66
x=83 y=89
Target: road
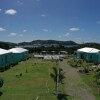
x=74 y=86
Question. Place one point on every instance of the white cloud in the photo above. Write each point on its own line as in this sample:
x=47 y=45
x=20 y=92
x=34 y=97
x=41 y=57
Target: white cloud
x=12 y=34
x=0 y=10
x=11 y=12
x=43 y=15
x=24 y=30
x=20 y=2
x=45 y=30
x=15 y=34
x=67 y=34
x=2 y=29
x=74 y=29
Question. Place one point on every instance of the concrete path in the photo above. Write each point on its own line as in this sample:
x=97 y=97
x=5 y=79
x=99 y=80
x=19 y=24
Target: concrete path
x=74 y=85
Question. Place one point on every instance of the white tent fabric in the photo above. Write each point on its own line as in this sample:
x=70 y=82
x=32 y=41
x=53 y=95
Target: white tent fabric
x=89 y=50
x=18 y=50
x=38 y=56
x=48 y=57
x=3 y=51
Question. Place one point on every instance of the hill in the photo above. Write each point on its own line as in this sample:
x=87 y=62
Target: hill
x=7 y=45
x=47 y=42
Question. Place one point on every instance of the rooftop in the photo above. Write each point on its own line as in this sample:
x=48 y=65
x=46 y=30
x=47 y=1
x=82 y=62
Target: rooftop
x=18 y=50
x=3 y=51
x=89 y=50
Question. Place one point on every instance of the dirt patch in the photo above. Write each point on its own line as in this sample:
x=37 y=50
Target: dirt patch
x=75 y=87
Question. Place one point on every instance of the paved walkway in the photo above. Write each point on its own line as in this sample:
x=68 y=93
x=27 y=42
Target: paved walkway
x=75 y=87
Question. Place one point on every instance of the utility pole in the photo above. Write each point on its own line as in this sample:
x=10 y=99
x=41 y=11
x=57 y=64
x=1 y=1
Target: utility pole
x=57 y=83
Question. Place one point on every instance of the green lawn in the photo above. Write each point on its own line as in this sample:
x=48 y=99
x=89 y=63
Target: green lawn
x=37 y=82
x=90 y=80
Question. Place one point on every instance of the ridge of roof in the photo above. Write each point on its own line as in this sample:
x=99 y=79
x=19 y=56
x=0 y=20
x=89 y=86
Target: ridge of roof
x=18 y=50
x=88 y=50
x=3 y=51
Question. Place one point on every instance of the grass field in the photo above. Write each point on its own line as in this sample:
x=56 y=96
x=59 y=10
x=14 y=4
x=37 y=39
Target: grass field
x=90 y=80
x=29 y=86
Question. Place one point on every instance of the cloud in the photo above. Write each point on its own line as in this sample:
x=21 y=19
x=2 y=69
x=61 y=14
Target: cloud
x=20 y=2
x=45 y=30
x=67 y=34
x=12 y=34
x=74 y=29
x=10 y=12
x=43 y=15
x=24 y=30
x=0 y=10
x=2 y=29
x=15 y=34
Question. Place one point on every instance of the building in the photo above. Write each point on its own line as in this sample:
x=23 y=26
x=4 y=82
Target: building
x=5 y=58
x=88 y=54
x=19 y=54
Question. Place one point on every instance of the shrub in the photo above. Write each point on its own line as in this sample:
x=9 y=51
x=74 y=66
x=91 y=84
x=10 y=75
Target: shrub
x=1 y=82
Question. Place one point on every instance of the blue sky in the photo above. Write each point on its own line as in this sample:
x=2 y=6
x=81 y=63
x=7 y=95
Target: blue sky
x=27 y=20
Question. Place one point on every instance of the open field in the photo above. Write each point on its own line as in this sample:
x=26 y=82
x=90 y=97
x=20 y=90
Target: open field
x=90 y=80
x=36 y=83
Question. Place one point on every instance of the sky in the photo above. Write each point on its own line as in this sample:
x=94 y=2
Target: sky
x=28 y=20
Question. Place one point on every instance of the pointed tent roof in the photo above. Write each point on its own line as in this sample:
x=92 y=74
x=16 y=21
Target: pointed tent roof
x=63 y=51
x=3 y=51
x=53 y=51
x=44 y=51
x=89 y=50
x=18 y=50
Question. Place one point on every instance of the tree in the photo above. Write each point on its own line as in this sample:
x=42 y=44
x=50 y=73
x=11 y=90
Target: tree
x=97 y=75
x=1 y=82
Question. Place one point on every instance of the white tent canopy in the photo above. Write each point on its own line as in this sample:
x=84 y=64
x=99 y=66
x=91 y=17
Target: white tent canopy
x=89 y=50
x=3 y=51
x=44 y=51
x=63 y=52
x=53 y=51
x=18 y=50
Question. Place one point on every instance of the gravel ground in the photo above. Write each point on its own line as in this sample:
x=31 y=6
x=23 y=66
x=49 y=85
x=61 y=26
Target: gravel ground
x=75 y=87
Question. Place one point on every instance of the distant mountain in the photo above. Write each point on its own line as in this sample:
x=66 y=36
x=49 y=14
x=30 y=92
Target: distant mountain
x=47 y=42
x=92 y=45
x=7 y=45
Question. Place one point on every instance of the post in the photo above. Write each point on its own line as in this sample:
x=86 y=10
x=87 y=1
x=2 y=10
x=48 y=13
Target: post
x=57 y=84
x=26 y=64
